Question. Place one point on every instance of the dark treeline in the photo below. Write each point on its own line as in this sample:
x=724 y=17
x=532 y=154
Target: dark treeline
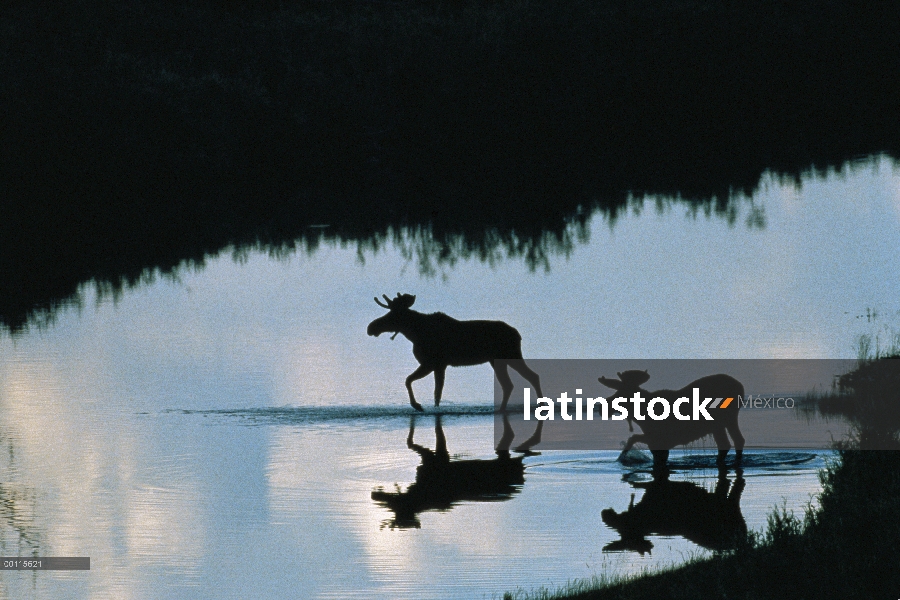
x=135 y=134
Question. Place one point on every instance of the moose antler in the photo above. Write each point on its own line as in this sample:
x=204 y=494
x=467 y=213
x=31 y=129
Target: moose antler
x=401 y=301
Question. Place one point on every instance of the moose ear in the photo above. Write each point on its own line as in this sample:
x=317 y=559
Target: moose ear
x=614 y=384
x=404 y=300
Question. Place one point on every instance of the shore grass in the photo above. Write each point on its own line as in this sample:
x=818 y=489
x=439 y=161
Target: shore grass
x=869 y=396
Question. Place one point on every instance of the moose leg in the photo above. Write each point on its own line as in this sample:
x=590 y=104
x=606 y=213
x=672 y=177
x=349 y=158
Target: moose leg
x=632 y=441
x=439 y=384
x=505 y=382
x=660 y=458
x=440 y=449
x=534 y=440
x=422 y=451
x=738 y=440
x=412 y=431
x=529 y=375
x=629 y=443
x=722 y=444
x=419 y=373
x=505 y=439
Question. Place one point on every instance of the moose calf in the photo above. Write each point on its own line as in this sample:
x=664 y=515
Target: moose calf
x=662 y=436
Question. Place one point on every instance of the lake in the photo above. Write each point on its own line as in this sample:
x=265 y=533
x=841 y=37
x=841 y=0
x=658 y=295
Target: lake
x=220 y=433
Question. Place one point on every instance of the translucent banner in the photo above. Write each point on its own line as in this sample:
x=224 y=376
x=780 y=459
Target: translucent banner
x=599 y=404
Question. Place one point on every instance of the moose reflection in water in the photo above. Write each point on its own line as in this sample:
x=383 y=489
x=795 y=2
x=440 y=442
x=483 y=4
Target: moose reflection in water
x=712 y=520
x=440 y=341
x=664 y=434
x=441 y=483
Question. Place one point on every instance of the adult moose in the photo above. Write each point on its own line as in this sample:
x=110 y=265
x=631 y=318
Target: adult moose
x=663 y=435
x=440 y=341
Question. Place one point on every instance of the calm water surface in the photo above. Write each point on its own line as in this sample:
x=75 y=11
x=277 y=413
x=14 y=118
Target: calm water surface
x=181 y=436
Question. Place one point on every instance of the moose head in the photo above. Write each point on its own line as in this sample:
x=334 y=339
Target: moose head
x=627 y=384
x=628 y=381
x=394 y=320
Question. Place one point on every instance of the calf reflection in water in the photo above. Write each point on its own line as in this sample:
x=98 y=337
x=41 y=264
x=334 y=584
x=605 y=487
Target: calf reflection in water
x=442 y=483
x=712 y=520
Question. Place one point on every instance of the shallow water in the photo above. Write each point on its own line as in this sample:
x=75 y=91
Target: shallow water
x=239 y=509
x=221 y=434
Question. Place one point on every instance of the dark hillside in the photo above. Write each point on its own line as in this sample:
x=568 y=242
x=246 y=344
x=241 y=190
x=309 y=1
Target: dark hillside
x=135 y=134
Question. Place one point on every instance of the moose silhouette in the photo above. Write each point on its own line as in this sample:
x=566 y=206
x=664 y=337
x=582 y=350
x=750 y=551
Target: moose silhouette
x=661 y=436
x=682 y=508
x=441 y=483
x=440 y=341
